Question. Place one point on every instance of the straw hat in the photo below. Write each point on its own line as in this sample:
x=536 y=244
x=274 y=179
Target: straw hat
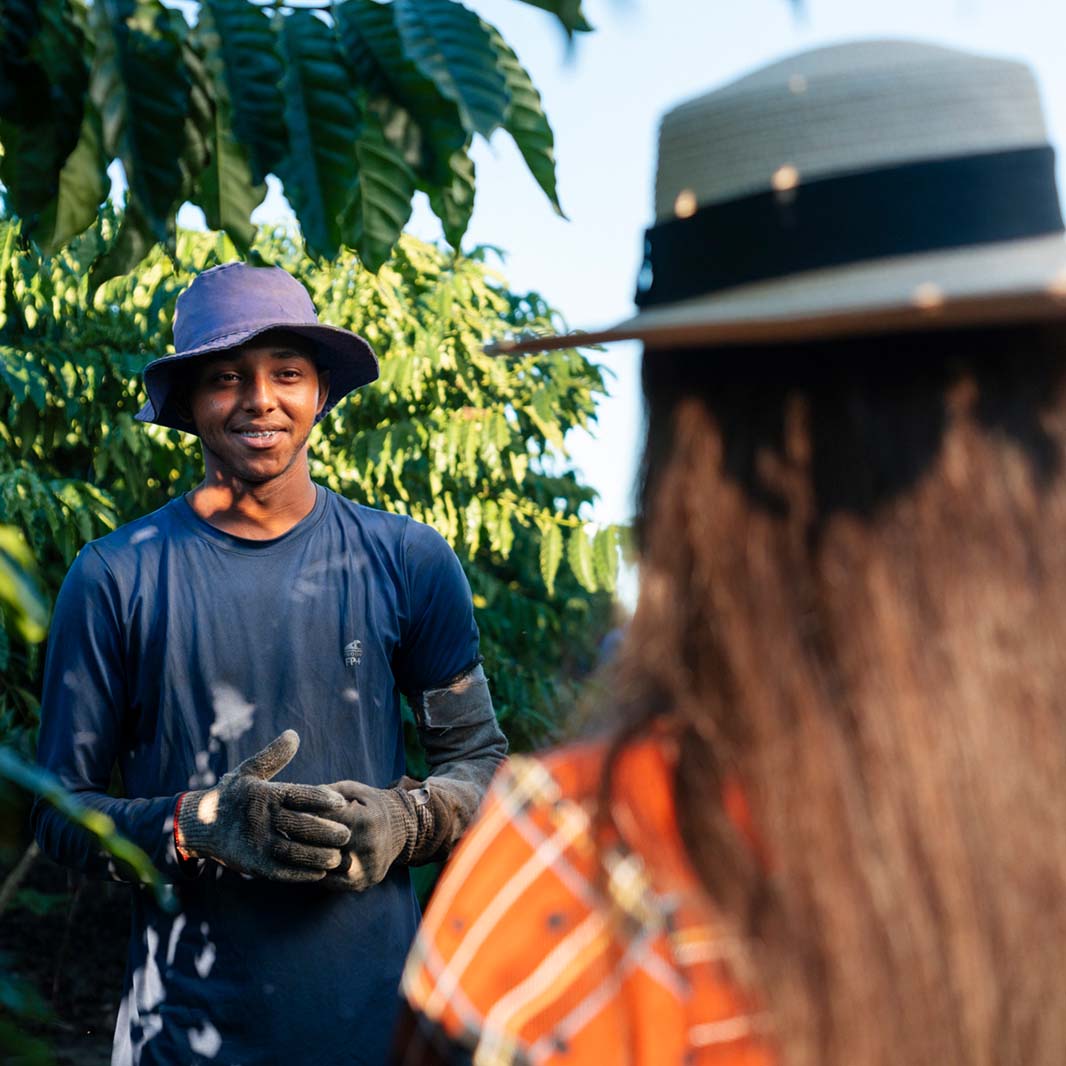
x=859 y=188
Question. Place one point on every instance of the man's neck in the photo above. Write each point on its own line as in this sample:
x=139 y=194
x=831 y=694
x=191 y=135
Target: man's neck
x=255 y=511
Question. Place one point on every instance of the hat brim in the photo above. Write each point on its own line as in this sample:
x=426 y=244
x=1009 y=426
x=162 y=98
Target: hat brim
x=350 y=360
x=1006 y=282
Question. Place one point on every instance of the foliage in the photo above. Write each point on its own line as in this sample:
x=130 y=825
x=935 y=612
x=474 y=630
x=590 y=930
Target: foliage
x=20 y=1003
x=41 y=783
x=25 y=617
x=469 y=443
x=353 y=105
x=25 y=614
x=21 y=603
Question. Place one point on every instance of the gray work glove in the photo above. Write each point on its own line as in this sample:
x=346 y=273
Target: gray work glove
x=384 y=828
x=416 y=822
x=257 y=826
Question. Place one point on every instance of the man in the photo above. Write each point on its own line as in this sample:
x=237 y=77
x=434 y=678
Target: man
x=201 y=646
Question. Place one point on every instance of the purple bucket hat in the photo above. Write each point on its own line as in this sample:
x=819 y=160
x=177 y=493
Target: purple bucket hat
x=228 y=306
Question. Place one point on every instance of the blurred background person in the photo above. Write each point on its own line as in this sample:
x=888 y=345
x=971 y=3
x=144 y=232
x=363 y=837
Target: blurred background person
x=825 y=822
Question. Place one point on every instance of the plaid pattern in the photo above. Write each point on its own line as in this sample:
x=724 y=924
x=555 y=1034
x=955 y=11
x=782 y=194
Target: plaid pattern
x=544 y=944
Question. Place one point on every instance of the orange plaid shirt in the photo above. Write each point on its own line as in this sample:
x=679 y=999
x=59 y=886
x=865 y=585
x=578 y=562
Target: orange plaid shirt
x=544 y=944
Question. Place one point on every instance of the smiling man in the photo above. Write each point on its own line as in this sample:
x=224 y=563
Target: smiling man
x=254 y=408
x=261 y=620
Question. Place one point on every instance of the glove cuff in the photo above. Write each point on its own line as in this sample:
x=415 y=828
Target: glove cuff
x=420 y=842
x=193 y=833
x=405 y=821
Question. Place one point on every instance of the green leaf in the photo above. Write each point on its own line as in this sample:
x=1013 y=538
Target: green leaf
x=20 y=21
x=544 y=417
x=551 y=554
x=423 y=124
x=372 y=45
x=43 y=78
x=323 y=122
x=240 y=37
x=20 y=598
x=453 y=201
x=131 y=244
x=525 y=120
x=568 y=12
x=579 y=556
x=519 y=466
x=83 y=185
x=506 y=528
x=9 y=235
x=200 y=119
x=381 y=196
x=141 y=89
x=23 y=378
x=605 y=548
x=450 y=46
x=226 y=191
x=472 y=521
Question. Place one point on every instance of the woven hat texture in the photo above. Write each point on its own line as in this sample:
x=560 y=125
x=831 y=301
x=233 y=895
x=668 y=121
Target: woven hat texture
x=843 y=113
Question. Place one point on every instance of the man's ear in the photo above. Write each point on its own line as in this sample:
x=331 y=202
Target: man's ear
x=323 y=389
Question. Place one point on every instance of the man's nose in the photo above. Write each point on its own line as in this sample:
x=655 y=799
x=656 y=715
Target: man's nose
x=259 y=393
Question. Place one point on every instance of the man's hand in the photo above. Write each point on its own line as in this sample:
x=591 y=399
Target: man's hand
x=416 y=822
x=384 y=827
x=257 y=826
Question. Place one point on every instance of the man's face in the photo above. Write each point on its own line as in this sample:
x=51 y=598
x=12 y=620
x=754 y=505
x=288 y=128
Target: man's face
x=254 y=407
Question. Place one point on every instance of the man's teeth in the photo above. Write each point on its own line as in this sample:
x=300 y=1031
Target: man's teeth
x=259 y=433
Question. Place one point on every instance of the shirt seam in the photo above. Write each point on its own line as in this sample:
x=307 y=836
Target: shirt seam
x=406 y=582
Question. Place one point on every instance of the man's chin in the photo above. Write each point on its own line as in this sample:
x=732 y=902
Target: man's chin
x=259 y=468
x=258 y=472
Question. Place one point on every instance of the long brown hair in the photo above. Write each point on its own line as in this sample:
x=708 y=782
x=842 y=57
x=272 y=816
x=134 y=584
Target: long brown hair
x=853 y=604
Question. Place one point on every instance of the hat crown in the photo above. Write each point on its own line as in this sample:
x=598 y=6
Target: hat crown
x=842 y=109
x=863 y=188
x=237 y=299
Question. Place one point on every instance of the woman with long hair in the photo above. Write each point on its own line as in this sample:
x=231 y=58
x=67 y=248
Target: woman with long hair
x=825 y=824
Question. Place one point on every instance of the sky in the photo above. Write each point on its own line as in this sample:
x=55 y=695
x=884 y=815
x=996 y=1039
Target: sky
x=604 y=97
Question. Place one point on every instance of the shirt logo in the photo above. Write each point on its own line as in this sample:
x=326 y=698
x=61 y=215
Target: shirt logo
x=353 y=653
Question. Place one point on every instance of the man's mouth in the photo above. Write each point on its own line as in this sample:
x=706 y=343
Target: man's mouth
x=259 y=438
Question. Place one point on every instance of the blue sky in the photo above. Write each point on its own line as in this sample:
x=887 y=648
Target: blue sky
x=604 y=98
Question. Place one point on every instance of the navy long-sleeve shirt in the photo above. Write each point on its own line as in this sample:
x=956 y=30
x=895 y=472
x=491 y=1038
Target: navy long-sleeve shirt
x=176 y=651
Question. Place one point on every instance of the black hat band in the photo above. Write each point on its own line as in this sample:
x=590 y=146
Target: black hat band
x=826 y=222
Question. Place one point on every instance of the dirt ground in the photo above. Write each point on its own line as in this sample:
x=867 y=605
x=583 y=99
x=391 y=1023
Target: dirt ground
x=75 y=956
